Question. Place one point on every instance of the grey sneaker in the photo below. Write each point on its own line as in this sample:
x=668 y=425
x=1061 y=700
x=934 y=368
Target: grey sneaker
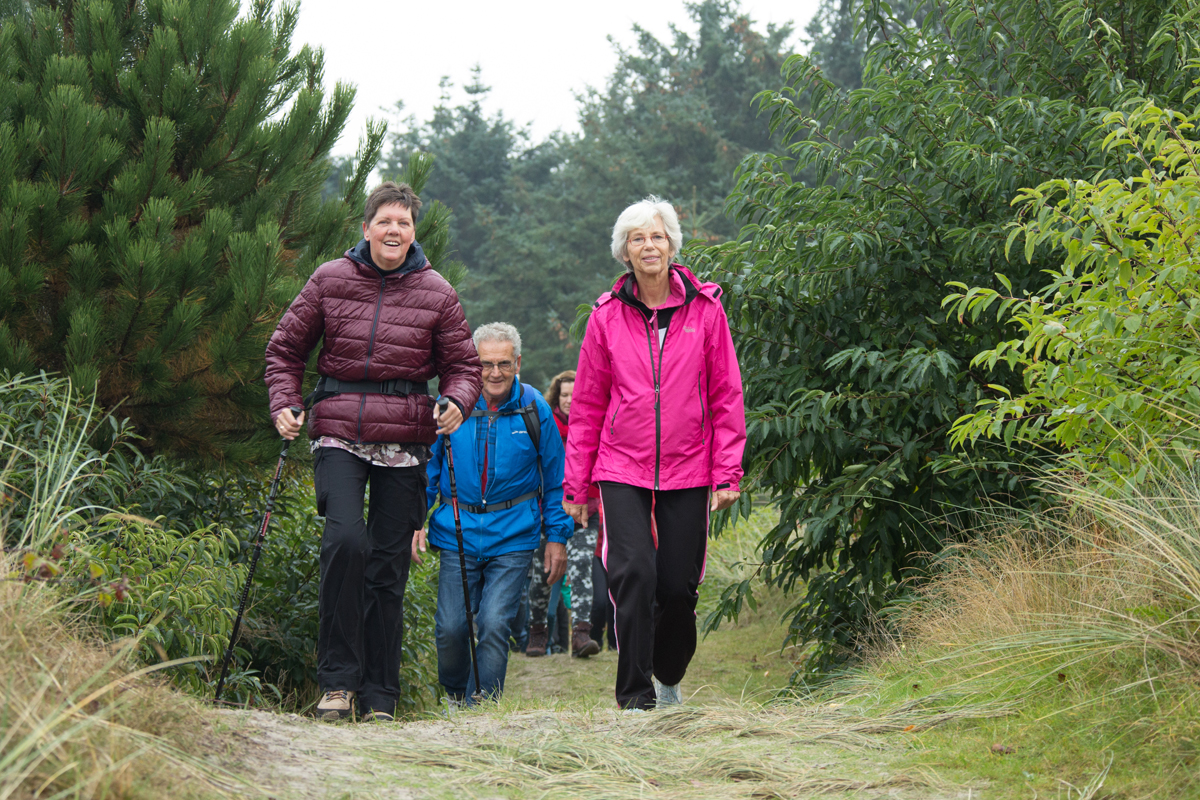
x=667 y=695
x=335 y=705
x=451 y=706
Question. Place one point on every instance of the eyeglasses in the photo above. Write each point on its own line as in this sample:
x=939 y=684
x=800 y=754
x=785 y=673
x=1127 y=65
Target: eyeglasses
x=638 y=241
x=503 y=366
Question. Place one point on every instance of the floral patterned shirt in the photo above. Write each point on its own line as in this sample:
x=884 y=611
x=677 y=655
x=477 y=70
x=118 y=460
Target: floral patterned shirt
x=380 y=455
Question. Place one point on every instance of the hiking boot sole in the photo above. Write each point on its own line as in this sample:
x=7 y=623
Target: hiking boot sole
x=334 y=715
x=589 y=649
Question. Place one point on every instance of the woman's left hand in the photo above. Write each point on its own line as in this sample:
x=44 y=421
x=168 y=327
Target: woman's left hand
x=723 y=499
x=418 y=545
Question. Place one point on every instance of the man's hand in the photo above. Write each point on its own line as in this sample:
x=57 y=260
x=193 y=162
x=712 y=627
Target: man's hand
x=448 y=422
x=556 y=560
x=577 y=512
x=288 y=425
x=722 y=499
x=418 y=545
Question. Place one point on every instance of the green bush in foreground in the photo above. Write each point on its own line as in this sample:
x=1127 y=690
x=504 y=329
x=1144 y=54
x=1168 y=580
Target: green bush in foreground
x=165 y=589
x=164 y=571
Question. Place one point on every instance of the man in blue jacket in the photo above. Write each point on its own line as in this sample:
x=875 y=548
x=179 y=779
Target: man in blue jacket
x=508 y=491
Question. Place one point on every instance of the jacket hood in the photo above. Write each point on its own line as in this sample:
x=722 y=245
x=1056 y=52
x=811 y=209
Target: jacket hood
x=361 y=254
x=685 y=287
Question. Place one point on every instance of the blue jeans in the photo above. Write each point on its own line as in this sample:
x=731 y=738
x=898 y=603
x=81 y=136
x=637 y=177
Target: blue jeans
x=495 y=588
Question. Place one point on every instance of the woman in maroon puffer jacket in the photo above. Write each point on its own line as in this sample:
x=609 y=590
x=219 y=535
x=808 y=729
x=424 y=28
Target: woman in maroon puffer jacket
x=389 y=323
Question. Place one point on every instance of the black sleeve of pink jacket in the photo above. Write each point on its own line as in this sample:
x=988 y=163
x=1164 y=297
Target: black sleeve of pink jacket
x=454 y=356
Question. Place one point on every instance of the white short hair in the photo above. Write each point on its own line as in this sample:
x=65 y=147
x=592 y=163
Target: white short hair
x=498 y=332
x=642 y=215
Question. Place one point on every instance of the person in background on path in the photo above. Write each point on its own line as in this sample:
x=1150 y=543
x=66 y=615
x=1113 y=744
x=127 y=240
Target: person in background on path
x=388 y=323
x=579 y=552
x=508 y=493
x=657 y=420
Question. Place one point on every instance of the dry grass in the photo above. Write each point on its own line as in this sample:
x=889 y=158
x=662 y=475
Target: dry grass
x=1084 y=623
x=717 y=751
x=79 y=721
x=1113 y=580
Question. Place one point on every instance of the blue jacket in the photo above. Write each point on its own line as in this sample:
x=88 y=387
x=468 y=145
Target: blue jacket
x=512 y=470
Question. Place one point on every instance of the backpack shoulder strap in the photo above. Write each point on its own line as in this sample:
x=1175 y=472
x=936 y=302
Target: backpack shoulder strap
x=533 y=424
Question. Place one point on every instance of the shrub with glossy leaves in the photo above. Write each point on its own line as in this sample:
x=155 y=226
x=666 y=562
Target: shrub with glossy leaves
x=1109 y=351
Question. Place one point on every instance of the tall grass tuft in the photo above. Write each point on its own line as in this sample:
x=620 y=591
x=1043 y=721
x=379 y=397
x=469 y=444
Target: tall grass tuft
x=1084 y=622
x=78 y=718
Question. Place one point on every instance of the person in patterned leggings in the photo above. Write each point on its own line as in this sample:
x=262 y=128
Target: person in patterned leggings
x=580 y=549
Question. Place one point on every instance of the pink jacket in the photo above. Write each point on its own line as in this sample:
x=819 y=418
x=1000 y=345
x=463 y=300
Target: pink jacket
x=668 y=417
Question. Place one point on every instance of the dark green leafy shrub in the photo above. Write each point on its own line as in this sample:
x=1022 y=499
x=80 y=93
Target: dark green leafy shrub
x=854 y=376
x=167 y=591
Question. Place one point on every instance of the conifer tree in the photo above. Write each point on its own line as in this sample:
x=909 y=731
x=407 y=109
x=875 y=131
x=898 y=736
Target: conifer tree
x=161 y=168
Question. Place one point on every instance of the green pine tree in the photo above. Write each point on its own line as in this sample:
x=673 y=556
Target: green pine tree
x=161 y=168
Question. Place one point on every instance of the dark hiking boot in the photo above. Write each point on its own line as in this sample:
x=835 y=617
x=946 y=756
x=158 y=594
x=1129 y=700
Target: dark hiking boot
x=539 y=638
x=378 y=716
x=335 y=705
x=582 y=643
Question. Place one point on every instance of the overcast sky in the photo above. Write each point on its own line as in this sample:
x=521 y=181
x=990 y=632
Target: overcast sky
x=535 y=55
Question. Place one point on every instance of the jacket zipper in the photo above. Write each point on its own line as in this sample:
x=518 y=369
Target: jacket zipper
x=362 y=401
x=700 y=394
x=487 y=462
x=651 y=335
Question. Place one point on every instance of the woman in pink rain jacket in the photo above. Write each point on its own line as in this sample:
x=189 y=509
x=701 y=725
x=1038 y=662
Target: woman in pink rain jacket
x=657 y=420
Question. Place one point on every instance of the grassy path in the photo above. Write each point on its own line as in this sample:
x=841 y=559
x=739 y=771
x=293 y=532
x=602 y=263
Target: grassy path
x=557 y=734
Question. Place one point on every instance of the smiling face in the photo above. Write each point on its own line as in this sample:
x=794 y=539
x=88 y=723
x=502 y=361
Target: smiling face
x=649 y=250
x=389 y=233
x=565 y=390
x=500 y=368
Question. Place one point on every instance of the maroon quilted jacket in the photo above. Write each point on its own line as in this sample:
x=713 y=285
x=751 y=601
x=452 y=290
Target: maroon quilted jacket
x=377 y=326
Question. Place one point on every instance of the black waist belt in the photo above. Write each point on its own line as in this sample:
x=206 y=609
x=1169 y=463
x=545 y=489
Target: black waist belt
x=489 y=507
x=328 y=387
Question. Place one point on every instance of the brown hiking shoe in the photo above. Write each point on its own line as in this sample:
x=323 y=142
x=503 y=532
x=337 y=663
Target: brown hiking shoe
x=582 y=643
x=335 y=705
x=539 y=639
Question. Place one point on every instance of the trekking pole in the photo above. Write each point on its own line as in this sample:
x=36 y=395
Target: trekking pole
x=443 y=404
x=262 y=533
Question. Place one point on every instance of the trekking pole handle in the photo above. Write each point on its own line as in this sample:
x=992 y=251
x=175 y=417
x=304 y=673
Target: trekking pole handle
x=443 y=403
x=296 y=412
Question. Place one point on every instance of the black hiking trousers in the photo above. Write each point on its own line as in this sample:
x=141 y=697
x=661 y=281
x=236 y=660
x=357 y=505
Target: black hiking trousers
x=655 y=543
x=364 y=569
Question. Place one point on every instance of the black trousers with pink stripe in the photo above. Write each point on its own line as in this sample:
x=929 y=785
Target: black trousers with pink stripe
x=654 y=549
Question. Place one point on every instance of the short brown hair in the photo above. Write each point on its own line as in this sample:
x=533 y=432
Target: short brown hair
x=554 y=393
x=388 y=193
